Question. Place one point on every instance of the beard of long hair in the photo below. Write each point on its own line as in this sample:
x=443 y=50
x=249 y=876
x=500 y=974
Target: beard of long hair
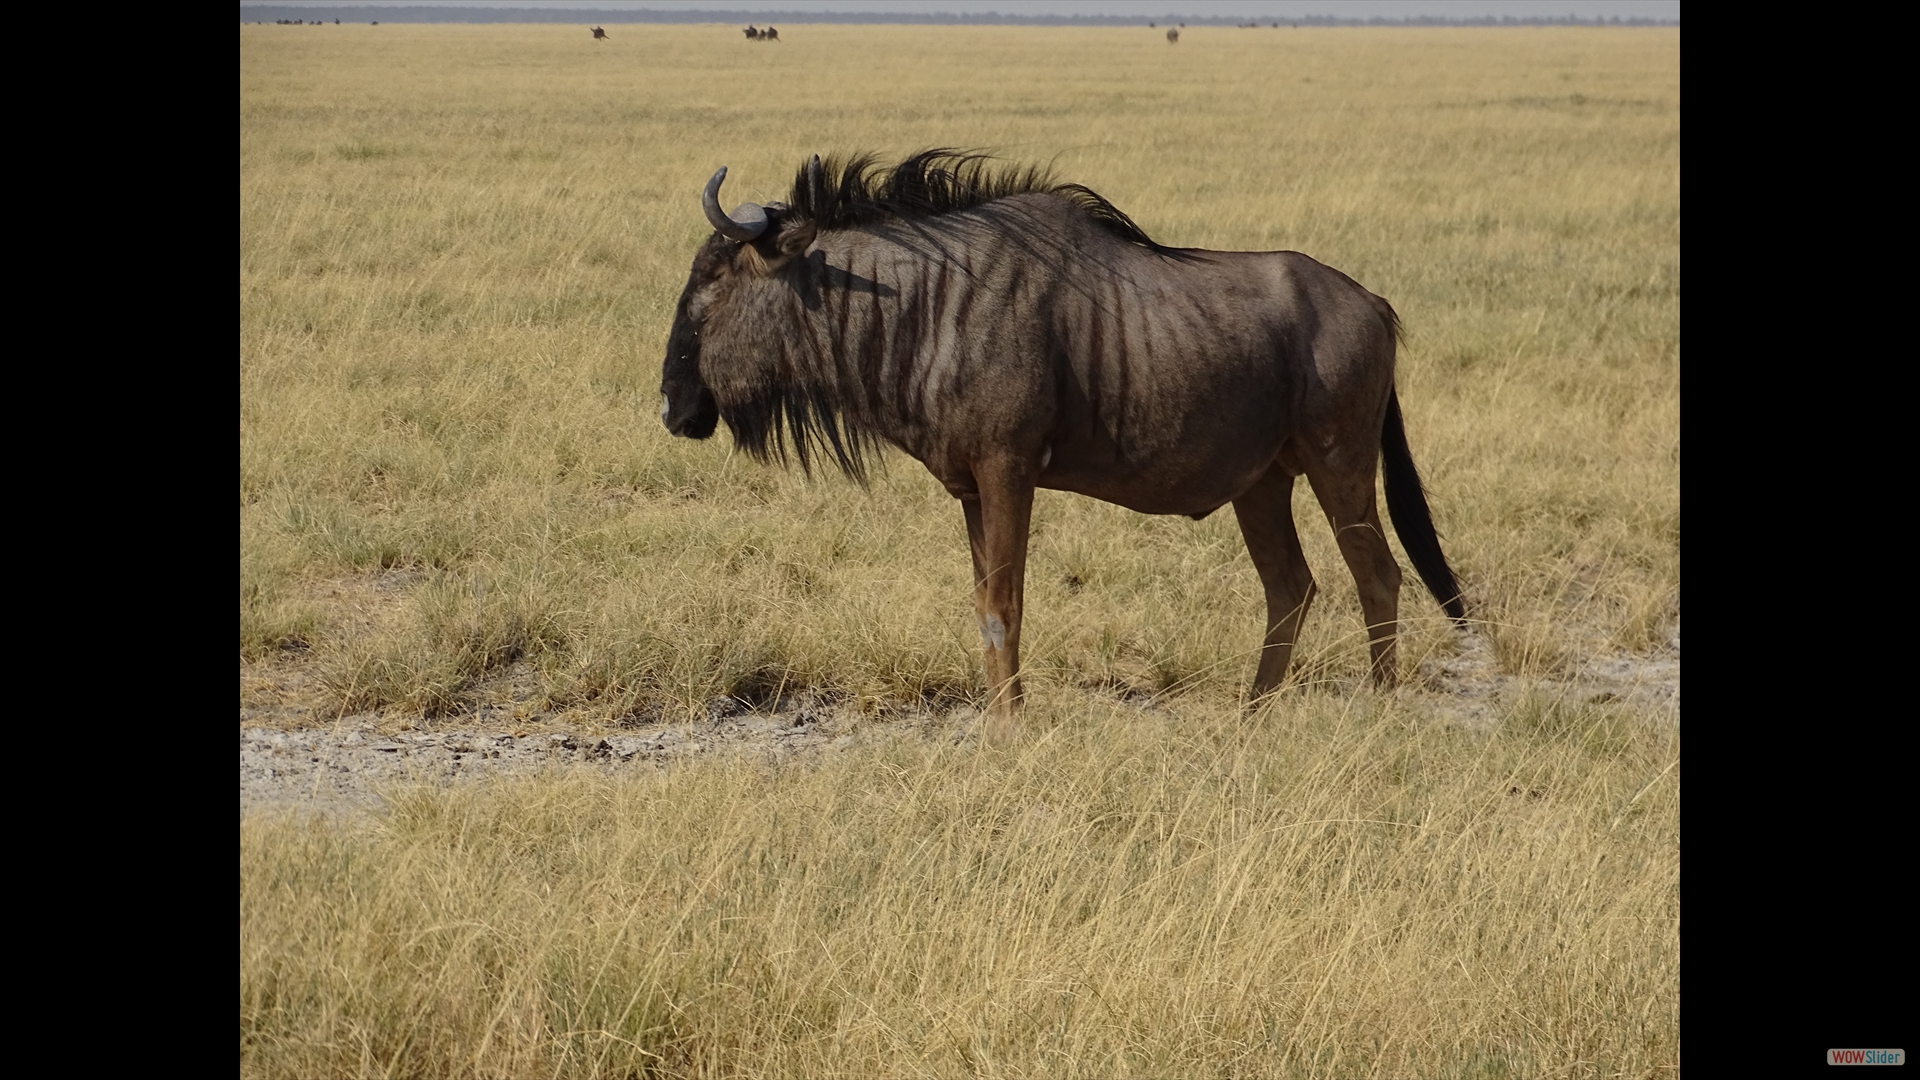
x=778 y=421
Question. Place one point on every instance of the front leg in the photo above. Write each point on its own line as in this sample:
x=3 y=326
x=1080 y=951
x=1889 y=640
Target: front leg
x=998 y=517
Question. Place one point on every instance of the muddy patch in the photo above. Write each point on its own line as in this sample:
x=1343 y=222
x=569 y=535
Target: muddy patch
x=288 y=759
x=1469 y=688
x=345 y=765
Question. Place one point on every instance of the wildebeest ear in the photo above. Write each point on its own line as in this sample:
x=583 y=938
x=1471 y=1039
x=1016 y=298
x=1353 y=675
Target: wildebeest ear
x=787 y=235
x=795 y=236
x=784 y=239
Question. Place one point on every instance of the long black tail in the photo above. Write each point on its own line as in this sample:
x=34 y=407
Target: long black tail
x=1407 y=506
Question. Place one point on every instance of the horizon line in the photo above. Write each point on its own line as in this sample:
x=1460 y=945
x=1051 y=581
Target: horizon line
x=422 y=13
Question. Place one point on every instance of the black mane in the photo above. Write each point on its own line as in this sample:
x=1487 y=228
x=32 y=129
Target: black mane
x=814 y=421
x=935 y=182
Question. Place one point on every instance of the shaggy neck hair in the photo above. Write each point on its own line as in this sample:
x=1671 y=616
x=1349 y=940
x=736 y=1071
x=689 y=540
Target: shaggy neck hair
x=819 y=420
x=935 y=182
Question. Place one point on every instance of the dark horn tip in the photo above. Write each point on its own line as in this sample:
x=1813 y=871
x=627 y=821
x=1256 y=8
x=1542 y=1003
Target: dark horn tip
x=816 y=186
x=731 y=227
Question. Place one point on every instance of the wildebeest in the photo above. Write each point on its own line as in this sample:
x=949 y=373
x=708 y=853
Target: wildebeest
x=600 y=35
x=1010 y=333
x=753 y=33
x=770 y=34
x=1172 y=34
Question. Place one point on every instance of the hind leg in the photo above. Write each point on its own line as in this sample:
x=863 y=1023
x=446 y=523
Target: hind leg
x=1346 y=495
x=1265 y=511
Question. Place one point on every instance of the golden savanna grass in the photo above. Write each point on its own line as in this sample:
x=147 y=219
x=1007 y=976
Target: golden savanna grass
x=460 y=248
x=1123 y=895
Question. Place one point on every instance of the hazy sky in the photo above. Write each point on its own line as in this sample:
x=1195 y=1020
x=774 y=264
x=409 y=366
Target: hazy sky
x=1360 y=9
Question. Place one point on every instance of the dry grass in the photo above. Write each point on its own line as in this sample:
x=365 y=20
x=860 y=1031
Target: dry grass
x=460 y=246
x=1342 y=891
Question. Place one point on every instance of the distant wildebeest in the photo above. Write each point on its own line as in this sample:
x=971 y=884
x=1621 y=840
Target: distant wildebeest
x=1172 y=34
x=1011 y=333
x=600 y=35
x=753 y=33
x=770 y=34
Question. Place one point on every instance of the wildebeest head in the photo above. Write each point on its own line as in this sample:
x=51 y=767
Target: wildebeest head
x=752 y=243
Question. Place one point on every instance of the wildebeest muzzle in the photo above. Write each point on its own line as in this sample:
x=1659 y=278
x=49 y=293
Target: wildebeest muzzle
x=689 y=411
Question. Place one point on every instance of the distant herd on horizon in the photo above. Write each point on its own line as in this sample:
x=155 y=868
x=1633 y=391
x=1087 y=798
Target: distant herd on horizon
x=1173 y=34
x=753 y=33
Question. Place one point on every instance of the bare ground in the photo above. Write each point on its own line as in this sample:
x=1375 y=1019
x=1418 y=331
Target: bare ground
x=291 y=757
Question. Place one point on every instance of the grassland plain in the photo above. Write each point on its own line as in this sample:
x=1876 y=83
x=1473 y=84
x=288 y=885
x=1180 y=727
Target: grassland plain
x=460 y=247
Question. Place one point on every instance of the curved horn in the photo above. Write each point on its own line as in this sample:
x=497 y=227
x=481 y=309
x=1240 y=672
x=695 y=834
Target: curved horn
x=816 y=188
x=749 y=219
